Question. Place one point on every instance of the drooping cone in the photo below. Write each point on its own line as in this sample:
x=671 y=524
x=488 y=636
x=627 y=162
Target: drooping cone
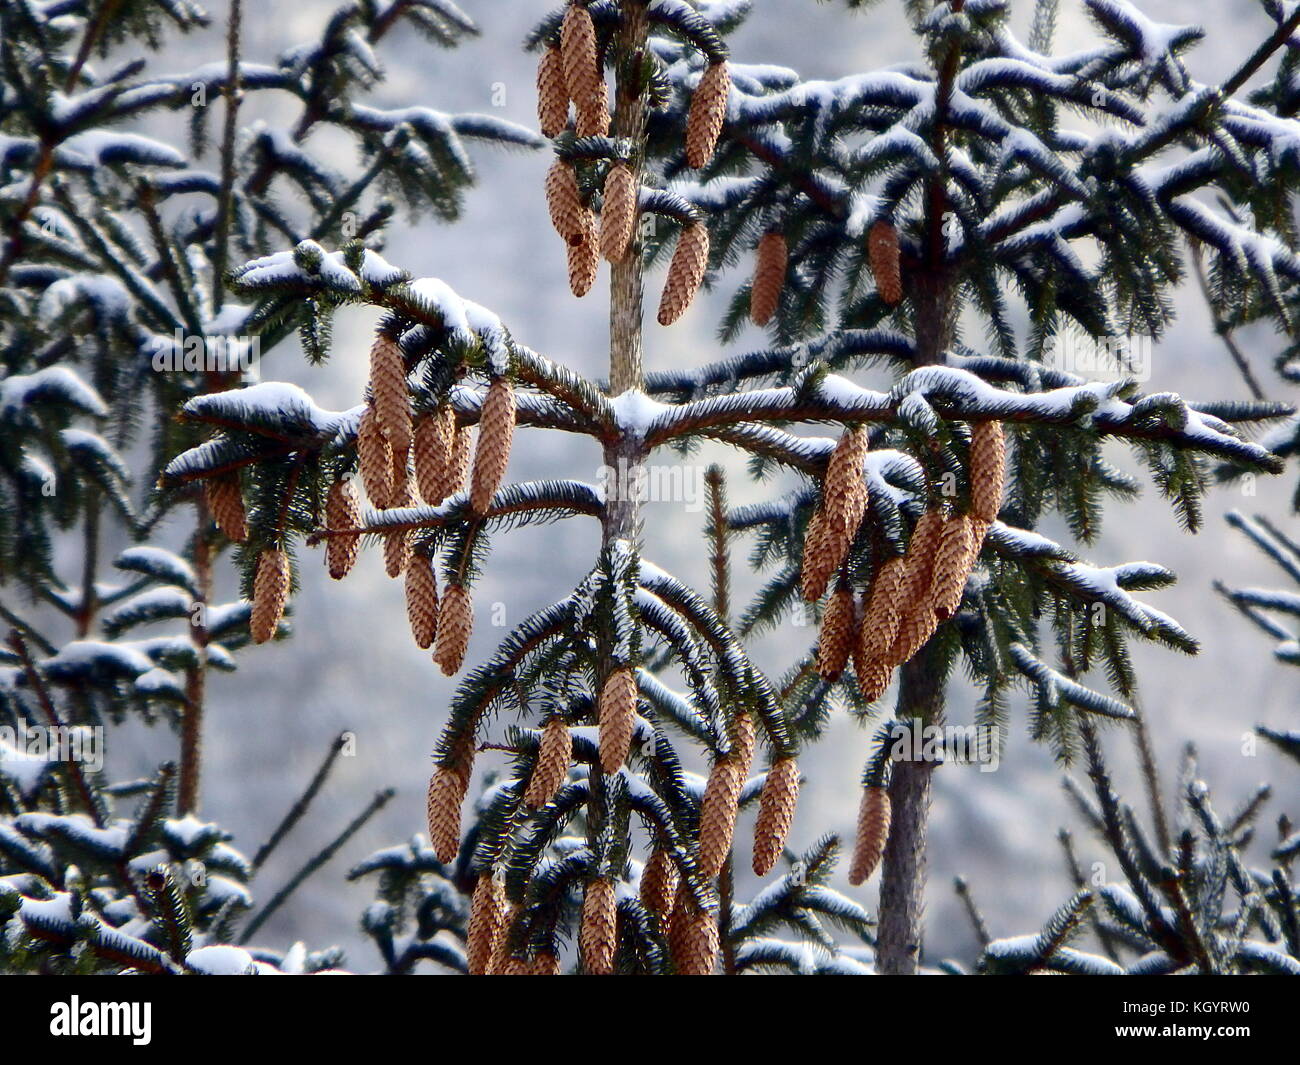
x=515 y=966
x=593 y=113
x=883 y=257
x=389 y=395
x=874 y=675
x=545 y=964
x=582 y=73
x=487 y=914
x=551 y=769
x=500 y=962
x=597 y=936
x=552 y=92
x=455 y=623
x=447 y=789
x=769 y=277
x=917 y=620
x=685 y=272
x=708 y=112
x=397 y=545
x=837 y=634
x=743 y=736
x=979 y=531
x=342 y=511
x=458 y=468
x=844 y=493
x=375 y=458
x=873 y=831
x=618 y=212
x=496 y=429
x=818 y=561
x=695 y=935
x=583 y=260
x=659 y=882
x=718 y=814
x=952 y=564
x=988 y=460
x=775 y=813
x=883 y=611
x=617 y=718
x=433 y=438
x=422 y=599
x=226 y=505
x=270 y=591
x=569 y=215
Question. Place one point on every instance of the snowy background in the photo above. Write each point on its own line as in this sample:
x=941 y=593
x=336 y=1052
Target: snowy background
x=352 y=665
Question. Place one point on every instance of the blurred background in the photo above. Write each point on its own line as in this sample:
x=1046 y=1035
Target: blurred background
x=351 y=664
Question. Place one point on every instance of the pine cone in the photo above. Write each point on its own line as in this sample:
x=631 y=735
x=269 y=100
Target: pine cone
x=708 y=112
x=883 y=611
x=818 y=561
x=496 y=429
x=659 y=882
x=617 y=718
x=375 y=457
x=988 y=462
x=618 y=212
x=545 y=964
x=743 y=737
x=422 y=600
x=769 y=277
x=458 y=467
x=501 y=962
x=873 y=831
x=979 y=530
x=552 y=92
x=844 y=492
x=593 y=113
x=598 y=935
x=578 y=47
x=775 y=813
x=551 y=769
x=837 y=635
x=570 y=216
x=397 y=545
x=431 y=445
x=696 y=949
x=487 y=912
x=455 y=623
x=227 y=506
x=515 y=966
x=685 y=272
x=951 y=567
x=874 y=676
x=389 y=395
x=447 y=789
x=718 y=814
x=917 y=620
x=584 y=263
x=883 y=257
x=342 y=511
x=270 y=591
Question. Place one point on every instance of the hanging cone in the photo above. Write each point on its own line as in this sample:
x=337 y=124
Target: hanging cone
x=551 y=769
x=545 y=964
x=500 y=963
x=226 y=506
x=917 y=620
x=270 y=591
x=979 y=531
x=433 y=437
x=775 y=813
x=837 y=635
x=696 y=951
x=496 y=430
x=844 y=493
x=397 y=545
x=952 y=564
x=873 y=678
x=569 y=215
x=422 y=600
x=389 y=395
x=455 y=623
x=578 y=46
x=597 y=936
x=873 y=831
x=743 y=737
x=617 y=718
x=447 y=789
x=487 y=914
x=883 y=611
x=718 y=815
x=552 y=92
x=988 y=461
x=593 y=113
x=685 y=272
x=618 y=212
x=375 y=458
x=584 y=262
x=769 y=277
x=883 y=257
x=342 y=511
x=458 y=468
x=659 y=887
x=400 y=490
x=818 y=562
x=708 y=112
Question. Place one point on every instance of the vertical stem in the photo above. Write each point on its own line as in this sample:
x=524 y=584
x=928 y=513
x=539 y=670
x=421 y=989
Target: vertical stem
x=187 y=790
x=225 y=205
x=89 y=567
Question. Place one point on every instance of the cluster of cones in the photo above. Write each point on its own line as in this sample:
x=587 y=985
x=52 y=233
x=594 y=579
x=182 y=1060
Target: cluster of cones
x=571 y=73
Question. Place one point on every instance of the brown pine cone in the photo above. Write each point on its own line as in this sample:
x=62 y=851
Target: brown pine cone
x=270 y=591
x=707 y=114
x=617 y=718
x=952 y=564
x=883 y=611
x=501 y=963
x=883 y=257
x=659 y=882
x=873 y=831
x=917 y=619
x=551 y=769
x=769 y=277
x=593 y=113
x=837 y=634
x=400 y=491
x=569 y=215
x=818 y=561
x=598 y=935
x=552 y=92
x=226 y=505
x=874 y=676
x=584 y=263
x=685 y=272
x=455 y=623
x=578 y=47
x=389 y=395
x=397 y=545
x=458 y=468
x=487 y=914
x=979 y=530
x=342 y=511
x=433 y=438
x=545 y=964
x=696 y=949
x=718 y=814
x=775 y=813
x=743 y=738
x=618 y=212
x=422 y=599
x=375 y=457
x=496 y=429
x=844 y=492
x=447 y=789
x=988 y=469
